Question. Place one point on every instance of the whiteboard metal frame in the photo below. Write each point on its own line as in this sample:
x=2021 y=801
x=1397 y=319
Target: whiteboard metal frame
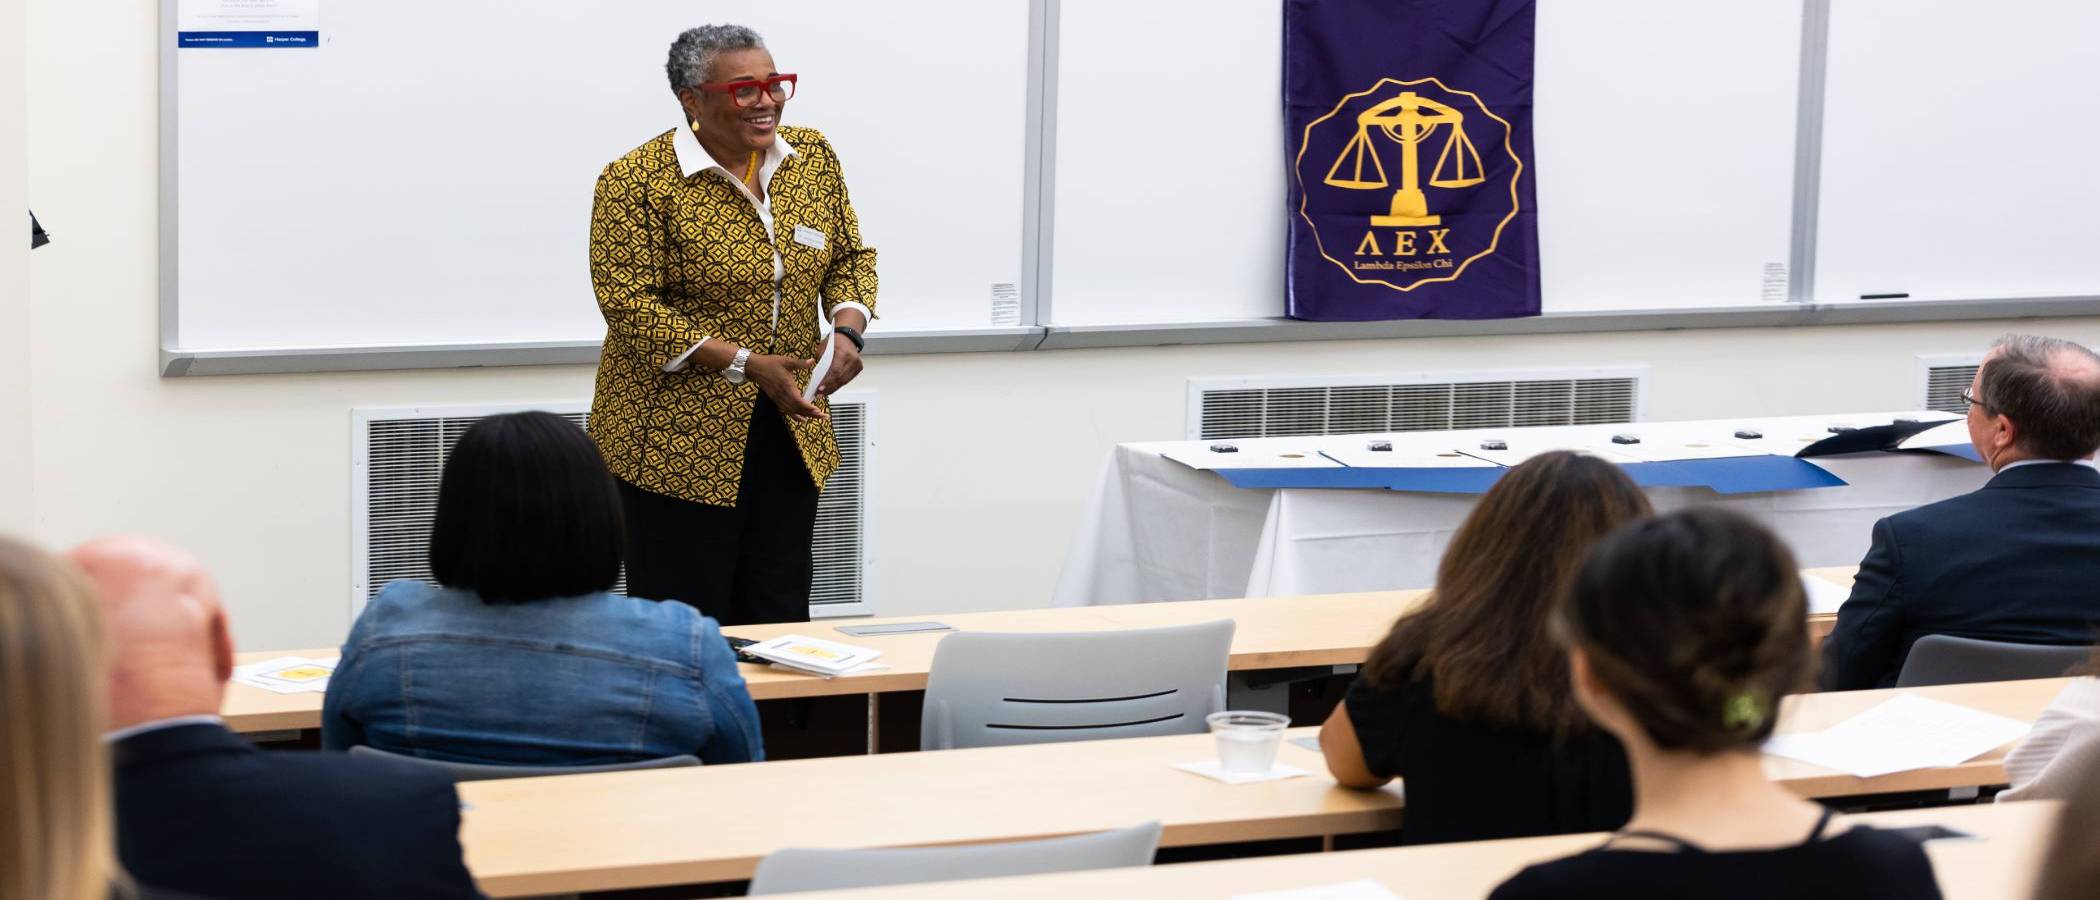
x=1808 y=149
x=1039 y=175
x=1039 y=331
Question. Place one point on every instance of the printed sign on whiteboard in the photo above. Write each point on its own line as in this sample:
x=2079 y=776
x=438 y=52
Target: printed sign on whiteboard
x=248 y=23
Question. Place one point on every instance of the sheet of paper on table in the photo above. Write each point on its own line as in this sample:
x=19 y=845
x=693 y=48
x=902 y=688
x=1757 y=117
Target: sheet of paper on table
x=1668 y=450
x=1362 y=889
x=1900 y=734
x=1824 y=597
x=1952 y=434
x=1520 y=447
x=1249 y=455
x=287 y=675
x=1360 y=456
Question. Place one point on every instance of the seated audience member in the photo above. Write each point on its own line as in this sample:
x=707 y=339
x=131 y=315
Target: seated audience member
x=1467 y=700
x=524 y=656
x=1683 y=632
x=2015 y=561
x=55 y=837
x=2071 y=868
x=200 y=809
x=2063 y=749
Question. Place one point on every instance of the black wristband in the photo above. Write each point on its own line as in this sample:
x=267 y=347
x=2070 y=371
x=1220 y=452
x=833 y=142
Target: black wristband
x=852 y=334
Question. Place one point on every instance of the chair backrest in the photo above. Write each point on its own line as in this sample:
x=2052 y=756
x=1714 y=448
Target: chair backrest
x=989 y=689
x=1945 y=659
x=479 y=772
x=786 y=871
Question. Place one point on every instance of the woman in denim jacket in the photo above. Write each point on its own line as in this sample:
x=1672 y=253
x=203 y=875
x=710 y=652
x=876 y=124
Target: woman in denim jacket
x=523 y=655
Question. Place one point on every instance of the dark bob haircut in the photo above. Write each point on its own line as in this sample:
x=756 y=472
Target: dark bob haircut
x=527 y=511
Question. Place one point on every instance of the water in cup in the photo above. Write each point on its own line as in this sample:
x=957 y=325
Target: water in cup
x=1247 y=740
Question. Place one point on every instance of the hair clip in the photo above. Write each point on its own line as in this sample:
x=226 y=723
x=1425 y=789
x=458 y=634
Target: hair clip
x=1745 y=711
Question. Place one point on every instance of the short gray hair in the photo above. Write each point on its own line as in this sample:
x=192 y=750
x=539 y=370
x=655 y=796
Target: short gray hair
x=693 y=54
x=2050 y=388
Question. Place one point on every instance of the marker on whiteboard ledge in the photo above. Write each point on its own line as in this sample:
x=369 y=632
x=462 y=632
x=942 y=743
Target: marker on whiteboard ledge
x=1891 y=295
x=1381 y=446
x=1224 y=448
x=1625 y=439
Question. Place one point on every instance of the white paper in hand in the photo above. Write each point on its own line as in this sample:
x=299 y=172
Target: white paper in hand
x=1904 y=733
x=816 y=375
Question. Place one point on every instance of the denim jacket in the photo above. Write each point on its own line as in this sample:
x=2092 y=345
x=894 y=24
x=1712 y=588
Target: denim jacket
x=601 y=678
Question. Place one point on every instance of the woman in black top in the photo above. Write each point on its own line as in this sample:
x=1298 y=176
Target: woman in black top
x=1683 y=633
x=1467 y=700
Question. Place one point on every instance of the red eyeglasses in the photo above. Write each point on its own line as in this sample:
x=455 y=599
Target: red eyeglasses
x=745 y=93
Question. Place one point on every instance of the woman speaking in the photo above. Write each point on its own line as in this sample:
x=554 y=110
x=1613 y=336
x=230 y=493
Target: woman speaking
x=727 y=261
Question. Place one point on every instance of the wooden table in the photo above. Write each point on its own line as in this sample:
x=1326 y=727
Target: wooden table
x=677 y=826
x=1271 y=633
x=2003 y=864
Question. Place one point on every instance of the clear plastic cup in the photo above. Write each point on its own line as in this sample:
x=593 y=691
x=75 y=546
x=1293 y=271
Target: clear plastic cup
x=1247 y=739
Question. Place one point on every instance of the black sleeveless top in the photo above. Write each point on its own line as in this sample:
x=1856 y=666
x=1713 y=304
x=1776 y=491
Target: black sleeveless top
x=1862 y=862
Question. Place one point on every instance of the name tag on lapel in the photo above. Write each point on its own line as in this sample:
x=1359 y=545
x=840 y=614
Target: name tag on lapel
x=809 y=237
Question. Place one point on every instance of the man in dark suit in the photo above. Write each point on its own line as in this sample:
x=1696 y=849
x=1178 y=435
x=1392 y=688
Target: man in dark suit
x=2019 y=560
x=200 y=809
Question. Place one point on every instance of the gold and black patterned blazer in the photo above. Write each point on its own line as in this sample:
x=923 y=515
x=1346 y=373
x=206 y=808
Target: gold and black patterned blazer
x=675 y=259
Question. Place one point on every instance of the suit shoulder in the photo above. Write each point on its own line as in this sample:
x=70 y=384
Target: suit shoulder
x=1956 y=511
x=652 y=156
x=807 y=140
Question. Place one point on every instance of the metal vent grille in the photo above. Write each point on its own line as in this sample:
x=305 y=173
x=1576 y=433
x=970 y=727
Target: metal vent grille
x=1293 y=409
x=400 y=456
x=840 y=538
x=1943 y=387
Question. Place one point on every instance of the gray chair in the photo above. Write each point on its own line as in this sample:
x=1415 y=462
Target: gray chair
x=787 y=871
x=1945 y=659
x=479 y=772
x=988 y=689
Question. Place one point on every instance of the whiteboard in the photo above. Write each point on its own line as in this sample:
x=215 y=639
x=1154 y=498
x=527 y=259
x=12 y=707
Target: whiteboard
x=1958 y=150
x=1169 y=202
x=1664 y=143
x=1665 y=135
x=424 y=176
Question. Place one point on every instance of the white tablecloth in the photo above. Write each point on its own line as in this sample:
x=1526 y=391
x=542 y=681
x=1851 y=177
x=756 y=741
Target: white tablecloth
x=1157 y=530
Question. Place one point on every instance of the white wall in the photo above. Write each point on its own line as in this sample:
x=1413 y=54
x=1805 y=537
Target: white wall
x=985 y=463
x=15 y=474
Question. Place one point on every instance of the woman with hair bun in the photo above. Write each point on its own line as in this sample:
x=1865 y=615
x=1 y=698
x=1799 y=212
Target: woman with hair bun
x=1683 y=633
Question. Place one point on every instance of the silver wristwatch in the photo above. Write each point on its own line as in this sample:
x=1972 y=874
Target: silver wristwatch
x=734 y=374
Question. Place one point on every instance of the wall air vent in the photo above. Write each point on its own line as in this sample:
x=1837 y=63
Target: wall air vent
x=1224 y=408
x=398 y=454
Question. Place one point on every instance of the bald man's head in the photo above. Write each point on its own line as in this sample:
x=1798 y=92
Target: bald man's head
x=2047 y=389
x=170 y=650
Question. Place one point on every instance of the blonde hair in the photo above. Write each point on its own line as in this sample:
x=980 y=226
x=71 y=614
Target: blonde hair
x=55 y=832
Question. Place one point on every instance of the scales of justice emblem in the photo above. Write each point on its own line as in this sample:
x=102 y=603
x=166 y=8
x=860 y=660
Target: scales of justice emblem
x=1410 y=243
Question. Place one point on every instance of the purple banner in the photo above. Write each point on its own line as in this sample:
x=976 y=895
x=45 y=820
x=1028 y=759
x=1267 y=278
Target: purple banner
x=1409 y=141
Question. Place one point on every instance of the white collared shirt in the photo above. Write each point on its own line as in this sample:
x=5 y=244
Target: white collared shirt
x=692 y=160
x=130 y=731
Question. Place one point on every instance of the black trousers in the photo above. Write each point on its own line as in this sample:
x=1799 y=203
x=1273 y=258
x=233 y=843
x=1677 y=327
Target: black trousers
x=743 y=565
